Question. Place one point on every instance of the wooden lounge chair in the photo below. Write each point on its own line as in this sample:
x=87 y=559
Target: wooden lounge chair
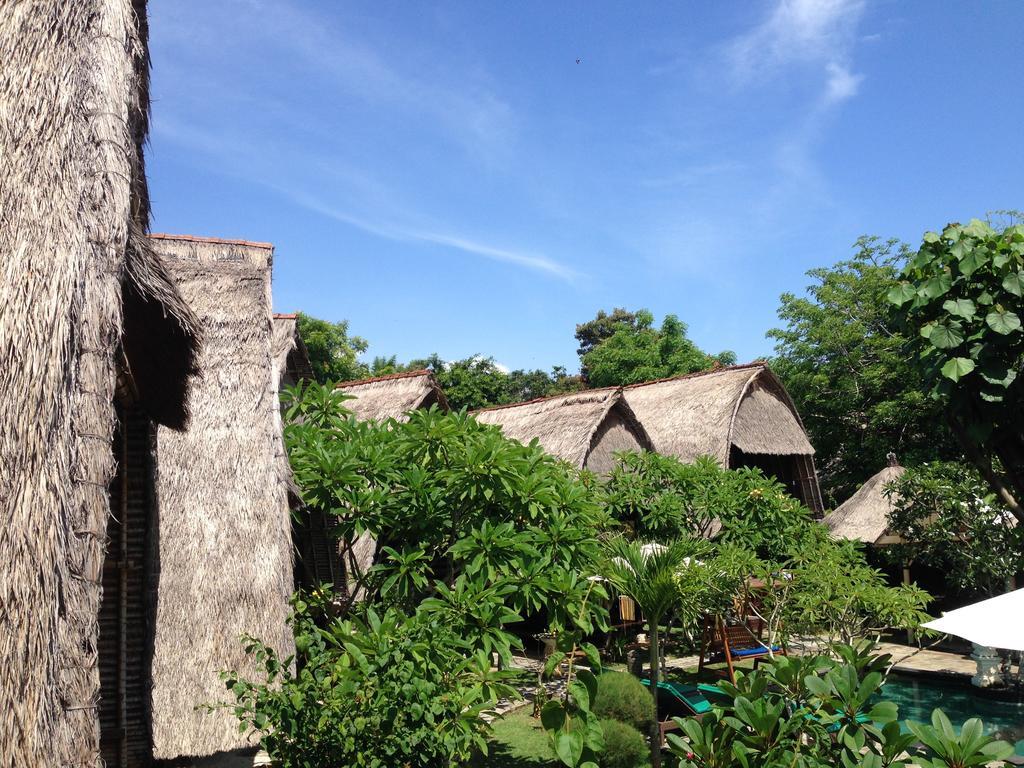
x=730 y=643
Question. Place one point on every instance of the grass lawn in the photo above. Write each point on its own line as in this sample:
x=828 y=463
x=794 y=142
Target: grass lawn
x=517 y=741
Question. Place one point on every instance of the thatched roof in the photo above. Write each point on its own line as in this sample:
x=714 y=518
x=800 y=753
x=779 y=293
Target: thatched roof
x=709 y=412
x=391 y=397
x=290 y=354
x=224 y=532
x=865 y=515
x=75 y=282
x=566 y=426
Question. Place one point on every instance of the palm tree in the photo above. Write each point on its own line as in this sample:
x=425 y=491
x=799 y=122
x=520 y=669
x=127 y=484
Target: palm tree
x=647 y=573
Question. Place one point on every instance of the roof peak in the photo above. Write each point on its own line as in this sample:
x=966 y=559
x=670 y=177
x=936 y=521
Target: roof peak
x=697 y=374
x=211 y=240
x=578 y=393
x=388 y=377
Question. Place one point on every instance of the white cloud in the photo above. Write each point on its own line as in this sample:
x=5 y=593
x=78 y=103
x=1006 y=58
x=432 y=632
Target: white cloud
x=404 y=232
x=842 y=84
x=819 y=33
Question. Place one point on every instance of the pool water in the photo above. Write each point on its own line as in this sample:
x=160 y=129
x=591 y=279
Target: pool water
x=918 y=696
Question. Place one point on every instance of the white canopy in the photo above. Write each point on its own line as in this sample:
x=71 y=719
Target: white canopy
x=997 y=622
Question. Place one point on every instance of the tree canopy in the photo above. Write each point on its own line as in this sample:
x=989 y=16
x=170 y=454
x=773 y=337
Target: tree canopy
x=960 y=300
x=949 y=518
x=477 y=381
x=626 y=348
x=333 y=351
x=842 y=356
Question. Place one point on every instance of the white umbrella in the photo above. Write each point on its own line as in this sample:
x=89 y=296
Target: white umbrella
x=997 y=622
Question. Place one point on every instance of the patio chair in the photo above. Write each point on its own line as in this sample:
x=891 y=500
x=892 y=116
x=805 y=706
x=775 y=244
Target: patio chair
x=723 y=642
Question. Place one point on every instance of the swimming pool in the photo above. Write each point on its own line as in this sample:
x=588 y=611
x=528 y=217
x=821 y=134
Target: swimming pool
x=918 y=696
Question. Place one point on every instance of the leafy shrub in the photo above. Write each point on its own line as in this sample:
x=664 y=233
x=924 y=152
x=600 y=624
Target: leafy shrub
x=624 y=746
x=808 y=712
x=391 y=691
x=622 y=697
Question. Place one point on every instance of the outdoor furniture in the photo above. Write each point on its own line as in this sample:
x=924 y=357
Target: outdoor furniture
x=726 y=642
x=679 y=700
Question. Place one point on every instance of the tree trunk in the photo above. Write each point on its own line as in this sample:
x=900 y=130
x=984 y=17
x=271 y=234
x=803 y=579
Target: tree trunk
x=655 y=668
x=984 y=466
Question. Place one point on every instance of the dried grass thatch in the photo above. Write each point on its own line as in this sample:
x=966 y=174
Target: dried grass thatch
x=224 y=533
x=290 y=354
x=392 y=397
x=583 y=428
x=80 y=297
x=740 y=413
x=865 y=515
x=709 y=412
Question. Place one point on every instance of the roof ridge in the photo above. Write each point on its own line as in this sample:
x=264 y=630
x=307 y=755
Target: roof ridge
x=286 y=315
x=388 y=377
x=698 y=374
x=546 y=397
x=212 y=240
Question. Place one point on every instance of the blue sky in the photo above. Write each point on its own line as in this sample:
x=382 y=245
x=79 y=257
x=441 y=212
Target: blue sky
x=450 y=179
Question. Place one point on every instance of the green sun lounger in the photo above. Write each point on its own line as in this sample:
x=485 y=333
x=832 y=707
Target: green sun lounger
x=677 y=699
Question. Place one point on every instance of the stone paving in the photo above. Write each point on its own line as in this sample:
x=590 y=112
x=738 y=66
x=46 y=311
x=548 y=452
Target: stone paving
x=555 y=687
x=911 y=659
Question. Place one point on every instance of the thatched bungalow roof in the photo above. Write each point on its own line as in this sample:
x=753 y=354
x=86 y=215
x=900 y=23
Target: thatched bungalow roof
x=728 y=413
x=83 y=302
x=865 y=515
x=709 y=412
x=584 y=428
x=392 y=397
x=224 y=530
x=290 y=354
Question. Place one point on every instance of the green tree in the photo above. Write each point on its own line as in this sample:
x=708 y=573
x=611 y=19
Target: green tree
x=478 y=382
x=603 y=327
x=960 y=298
x=473 y=528
x=949 y=518
x=843 y=359
x=333 y=352
x=660 y=497
x=637 y=351
x=648 y=575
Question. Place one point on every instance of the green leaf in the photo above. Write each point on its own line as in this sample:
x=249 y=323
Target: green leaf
x=997 y=750
x=552 y=715
x=936 y=286
x=569 y=747
x=901 y=294
x=957 y=367
x=931 y=237
x=999 y=373
x=978 y=228
x=1003 y=322
x=593 y=656
x=960 y=307
x=945 y=336
x=1014 y=283
x=884 y=712
x=973 y=260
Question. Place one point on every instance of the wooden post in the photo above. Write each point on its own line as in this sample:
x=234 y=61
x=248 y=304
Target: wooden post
x=122 y=604
x=911 y=634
